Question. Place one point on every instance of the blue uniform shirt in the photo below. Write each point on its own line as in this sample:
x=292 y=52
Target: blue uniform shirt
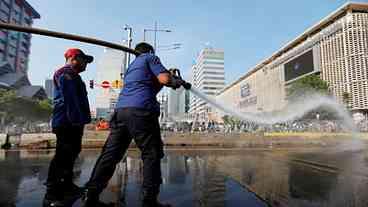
x=70 y=102
x=141 y=84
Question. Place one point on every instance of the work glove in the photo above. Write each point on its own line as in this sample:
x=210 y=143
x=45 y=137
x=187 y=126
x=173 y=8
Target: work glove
x=175 y=82
x=186 y=85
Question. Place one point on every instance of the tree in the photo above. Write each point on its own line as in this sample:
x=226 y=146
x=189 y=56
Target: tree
x=7 y=100
x=13 y=107
x=306 y=85
x=232 y=121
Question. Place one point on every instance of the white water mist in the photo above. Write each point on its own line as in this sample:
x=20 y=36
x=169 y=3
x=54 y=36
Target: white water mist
x=295 y=110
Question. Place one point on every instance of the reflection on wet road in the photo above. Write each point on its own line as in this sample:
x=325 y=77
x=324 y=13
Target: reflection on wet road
x=308 y=177
x=188 y=180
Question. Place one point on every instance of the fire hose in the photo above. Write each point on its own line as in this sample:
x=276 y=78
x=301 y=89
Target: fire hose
x=174 y=72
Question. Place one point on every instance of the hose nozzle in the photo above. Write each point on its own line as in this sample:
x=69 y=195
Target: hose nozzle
x=176 y=74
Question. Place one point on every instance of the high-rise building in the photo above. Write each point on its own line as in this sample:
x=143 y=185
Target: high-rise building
x=15 y=46
x=208 y=76
x=186 y=101
x=15 y=49
x=49 y=88
x=336 y=49
x=162 y=98
x=109 y=68
x=176 y=102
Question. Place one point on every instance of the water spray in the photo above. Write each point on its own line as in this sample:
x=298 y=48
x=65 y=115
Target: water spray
x=295 y=110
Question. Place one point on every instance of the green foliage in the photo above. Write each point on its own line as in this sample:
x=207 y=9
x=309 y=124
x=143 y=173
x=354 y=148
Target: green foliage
x=226 y=119
x=306 y=85
x=45 y=106
x=13 y=107
x=232 y=121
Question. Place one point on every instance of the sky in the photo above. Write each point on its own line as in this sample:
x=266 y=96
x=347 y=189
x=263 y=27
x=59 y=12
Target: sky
x=248 y=31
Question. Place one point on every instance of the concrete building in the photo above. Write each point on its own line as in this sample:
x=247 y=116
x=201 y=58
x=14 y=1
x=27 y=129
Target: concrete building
x=109 y=68
x=15 y=49
x=163 y=99
x=336 y=48
x=208 y=76
x=15 y=46
x=49 y=88
x=176 y=102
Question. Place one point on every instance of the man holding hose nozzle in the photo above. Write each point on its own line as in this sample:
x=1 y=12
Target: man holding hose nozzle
x=136 y=117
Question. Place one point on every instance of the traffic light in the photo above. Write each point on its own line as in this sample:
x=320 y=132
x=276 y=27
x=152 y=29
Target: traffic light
x=91 y=84
x=117 y=84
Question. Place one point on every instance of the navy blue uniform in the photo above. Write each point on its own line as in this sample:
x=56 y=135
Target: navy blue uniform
x=135 y=117
x=141 y=85
x=71 y=107
x=71 y=112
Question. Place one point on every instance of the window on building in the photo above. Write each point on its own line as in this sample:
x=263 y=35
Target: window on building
x=12 y=50
x=25 y=44
x=3 y=16
x=6 y=4
x=27 y=20
x=26 y=36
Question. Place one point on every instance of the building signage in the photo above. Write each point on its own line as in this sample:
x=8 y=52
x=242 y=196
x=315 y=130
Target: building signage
x=245 y=94
x=245 y=90
x=248 y=102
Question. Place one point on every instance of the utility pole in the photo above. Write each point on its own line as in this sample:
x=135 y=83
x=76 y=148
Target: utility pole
x=130 y=32
x=155 y=30
x=155 y=45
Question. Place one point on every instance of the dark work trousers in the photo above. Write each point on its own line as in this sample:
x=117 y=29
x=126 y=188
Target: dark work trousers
x=127 y=124
x=68 y=147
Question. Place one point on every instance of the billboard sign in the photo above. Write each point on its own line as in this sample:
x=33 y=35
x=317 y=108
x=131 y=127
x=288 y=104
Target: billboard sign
x=298 y=66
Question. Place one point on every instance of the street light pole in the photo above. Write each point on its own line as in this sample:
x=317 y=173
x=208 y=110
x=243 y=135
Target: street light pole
x=155 y=36
x=130 y=32
x=155 y=29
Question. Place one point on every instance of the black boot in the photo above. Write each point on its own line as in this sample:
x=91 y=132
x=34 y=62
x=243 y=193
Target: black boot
x=52 y=198
x=72 y=192
x=52 y=203
x=150 y=198
x=73 y=189
x=91 y=199
x=96 y=203
x=154 y=203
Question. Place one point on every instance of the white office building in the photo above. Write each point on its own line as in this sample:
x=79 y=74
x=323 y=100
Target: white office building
x=109 y=68
x=176 y=103
x=208 y=76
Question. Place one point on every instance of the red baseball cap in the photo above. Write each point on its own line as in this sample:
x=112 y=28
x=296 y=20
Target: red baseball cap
x=72 y=52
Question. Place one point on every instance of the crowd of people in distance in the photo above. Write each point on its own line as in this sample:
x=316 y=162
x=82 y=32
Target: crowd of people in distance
x=243 y=127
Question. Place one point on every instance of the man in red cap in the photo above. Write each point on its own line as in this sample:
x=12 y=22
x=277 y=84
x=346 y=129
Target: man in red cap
x=71 y=112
